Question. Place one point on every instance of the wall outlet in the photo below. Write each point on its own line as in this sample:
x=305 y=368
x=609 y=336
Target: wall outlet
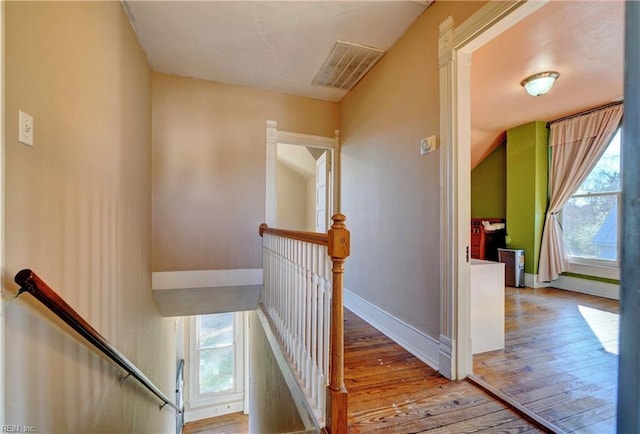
x=25 y=128
x=427 y=145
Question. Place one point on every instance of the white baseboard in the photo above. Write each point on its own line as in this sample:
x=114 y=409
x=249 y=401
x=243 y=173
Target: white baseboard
x=194 y=414
x=585 y=286
x=445 y=366
x=576 y=284
x=531 y=281
x=419 y=344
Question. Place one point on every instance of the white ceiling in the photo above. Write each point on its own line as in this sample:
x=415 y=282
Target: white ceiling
x=273 y=45
x=280 y=46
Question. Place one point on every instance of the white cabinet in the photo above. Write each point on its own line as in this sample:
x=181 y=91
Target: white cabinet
x=487 y=306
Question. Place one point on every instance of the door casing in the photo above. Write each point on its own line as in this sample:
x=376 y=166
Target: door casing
x=275 y=136
x=455 y=47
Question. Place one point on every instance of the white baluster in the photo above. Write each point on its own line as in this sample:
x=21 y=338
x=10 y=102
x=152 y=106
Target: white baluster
x=301 y=291
x=297 y=299
x=312 y=334
x=289 y=295
x=281 y=287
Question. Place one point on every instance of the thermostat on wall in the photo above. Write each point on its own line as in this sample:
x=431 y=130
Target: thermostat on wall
x=427 y=145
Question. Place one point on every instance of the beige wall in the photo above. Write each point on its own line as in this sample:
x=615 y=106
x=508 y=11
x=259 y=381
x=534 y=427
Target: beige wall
x=78 y=212
x=292 y=199
x=209 y=159
x=272 y=408
x=390 y=194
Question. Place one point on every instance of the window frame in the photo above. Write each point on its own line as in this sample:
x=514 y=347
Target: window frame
x=223 y=398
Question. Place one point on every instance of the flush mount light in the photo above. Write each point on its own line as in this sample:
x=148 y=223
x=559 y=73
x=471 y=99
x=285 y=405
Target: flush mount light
x=539 y=84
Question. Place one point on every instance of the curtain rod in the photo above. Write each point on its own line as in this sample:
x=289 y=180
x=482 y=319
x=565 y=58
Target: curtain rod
x=586 y=112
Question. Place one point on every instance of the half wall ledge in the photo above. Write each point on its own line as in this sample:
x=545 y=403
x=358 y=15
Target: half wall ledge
x=198 y=292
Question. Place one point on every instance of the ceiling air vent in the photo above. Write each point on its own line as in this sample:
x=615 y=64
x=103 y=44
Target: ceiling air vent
x=346 y=65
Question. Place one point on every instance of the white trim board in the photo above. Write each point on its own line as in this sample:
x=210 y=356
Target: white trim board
x=586 y=286
x=198 y=413
x=576 y=284
x=531 y=281
x=206 y=278
x=421 y=345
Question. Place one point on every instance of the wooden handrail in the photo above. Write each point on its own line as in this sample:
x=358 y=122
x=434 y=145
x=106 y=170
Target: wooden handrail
x=307 y=237
x=31 y=283
x=337 y=241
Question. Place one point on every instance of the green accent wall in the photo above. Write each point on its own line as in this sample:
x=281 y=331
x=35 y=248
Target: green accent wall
x=489 y=186
x=526 y=192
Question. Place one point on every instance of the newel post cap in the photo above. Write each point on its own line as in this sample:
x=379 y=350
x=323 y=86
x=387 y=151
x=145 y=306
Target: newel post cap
x=338 y=238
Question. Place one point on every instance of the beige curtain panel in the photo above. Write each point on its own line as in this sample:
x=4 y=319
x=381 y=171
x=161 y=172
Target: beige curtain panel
x=576 y=146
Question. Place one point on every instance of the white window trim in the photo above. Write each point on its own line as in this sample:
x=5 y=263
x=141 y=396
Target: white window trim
x=594 y=267
x=211 y=405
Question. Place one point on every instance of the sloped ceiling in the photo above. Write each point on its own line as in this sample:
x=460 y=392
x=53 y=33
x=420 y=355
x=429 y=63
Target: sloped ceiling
x=298 y=159
x=583 y=41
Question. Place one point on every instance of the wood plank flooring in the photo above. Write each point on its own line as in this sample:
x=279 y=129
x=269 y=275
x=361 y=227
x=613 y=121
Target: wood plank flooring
x=558 y=362
x=391 y=391
x=560 y=357
x=236 y=423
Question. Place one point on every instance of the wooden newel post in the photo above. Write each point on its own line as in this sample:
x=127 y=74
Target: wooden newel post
x=338 y=250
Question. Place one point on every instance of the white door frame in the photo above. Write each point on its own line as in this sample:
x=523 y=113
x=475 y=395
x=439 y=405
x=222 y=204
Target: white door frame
x=275 y=136
x=455 y=46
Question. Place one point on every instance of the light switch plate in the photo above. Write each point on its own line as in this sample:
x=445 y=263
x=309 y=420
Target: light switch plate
x=25 y=125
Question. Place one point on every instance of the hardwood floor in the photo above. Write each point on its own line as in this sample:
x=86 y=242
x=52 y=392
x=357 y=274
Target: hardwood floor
x=560 y=358
x=558 y=362
x=236 y=423
x=391 y=391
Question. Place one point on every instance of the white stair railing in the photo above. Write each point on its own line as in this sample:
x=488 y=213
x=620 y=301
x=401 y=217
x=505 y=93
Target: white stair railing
x=302 y=298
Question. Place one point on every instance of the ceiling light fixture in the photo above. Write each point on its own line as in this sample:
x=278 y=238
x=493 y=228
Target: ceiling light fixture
x=539 y=84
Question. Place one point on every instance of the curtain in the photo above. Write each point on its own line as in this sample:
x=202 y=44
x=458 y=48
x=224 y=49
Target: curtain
x=576 y=146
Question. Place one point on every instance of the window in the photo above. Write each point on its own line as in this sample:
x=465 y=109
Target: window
x=216 y=362
x=590 y=218
x=215 y=353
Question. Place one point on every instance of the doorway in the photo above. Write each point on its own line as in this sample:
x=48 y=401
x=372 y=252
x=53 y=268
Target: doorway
x=302 y=188
x=302 y=171
x=457 y=46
